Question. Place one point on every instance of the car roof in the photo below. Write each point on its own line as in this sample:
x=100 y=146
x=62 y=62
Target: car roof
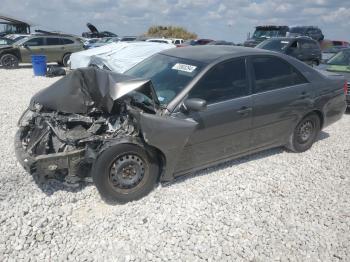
x=208 y=54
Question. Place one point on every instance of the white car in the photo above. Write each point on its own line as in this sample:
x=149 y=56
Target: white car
x=160 y=40
x=117 y=57
x=177 y=41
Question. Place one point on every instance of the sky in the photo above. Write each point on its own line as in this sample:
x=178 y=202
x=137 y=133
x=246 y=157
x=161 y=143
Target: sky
x=220 y=20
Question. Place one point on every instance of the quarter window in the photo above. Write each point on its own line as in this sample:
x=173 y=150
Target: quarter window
x=273 y=73
x=35 y=42
x=67 y=41
x=225 y=81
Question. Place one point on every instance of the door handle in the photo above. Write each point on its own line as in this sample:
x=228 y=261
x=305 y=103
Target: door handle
x=244 y=110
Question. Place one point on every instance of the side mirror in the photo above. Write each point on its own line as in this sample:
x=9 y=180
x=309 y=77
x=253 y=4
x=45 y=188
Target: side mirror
x=194 y=104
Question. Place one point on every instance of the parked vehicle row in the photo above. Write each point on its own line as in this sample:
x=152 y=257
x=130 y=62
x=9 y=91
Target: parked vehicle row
x=265 y=32
x=302 y=48
x=57 y=48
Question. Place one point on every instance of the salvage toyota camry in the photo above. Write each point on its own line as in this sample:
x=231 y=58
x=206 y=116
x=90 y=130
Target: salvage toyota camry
x=178 y=111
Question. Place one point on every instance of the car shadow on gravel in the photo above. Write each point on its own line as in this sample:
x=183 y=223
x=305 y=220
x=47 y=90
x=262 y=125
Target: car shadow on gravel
x=49 y=187
x=242 y=160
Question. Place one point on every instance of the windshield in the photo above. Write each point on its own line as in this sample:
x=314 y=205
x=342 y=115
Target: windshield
x=169 y=75
x=342 y=58
x=297 y=30
x=274 y=45
x=260 y=33
x=13 y=29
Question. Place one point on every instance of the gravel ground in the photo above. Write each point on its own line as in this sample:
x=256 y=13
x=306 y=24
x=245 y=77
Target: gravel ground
x=270 y=206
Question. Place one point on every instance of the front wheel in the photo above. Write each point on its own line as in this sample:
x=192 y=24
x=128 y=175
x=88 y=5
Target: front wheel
x=304 y=134
x=124 y=173
x=9 y=61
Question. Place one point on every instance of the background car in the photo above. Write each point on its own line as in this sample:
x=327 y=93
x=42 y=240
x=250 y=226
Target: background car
x=340 y=63
x=177 y=41
x=128 y=38
x=6 y=41
x=160 y=40
x=331 y=51
x=90 y=41
x=221 y=42
x=264 y=32
x=302 y=48
x=310 y=31
x=57 y=48
x=196 y=42
x=102 y=42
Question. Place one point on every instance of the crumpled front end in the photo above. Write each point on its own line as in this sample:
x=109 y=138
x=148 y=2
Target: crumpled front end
x=66 y=123
x=62 y=146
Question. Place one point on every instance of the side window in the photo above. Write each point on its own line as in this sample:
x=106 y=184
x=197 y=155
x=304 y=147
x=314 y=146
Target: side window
x=225 y=81
x=35 y=42
x=52 y=41
x=273 y=73
x=306 y=44
x=67 y=41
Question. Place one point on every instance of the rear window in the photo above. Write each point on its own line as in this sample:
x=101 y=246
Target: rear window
x=308 y=44
x=273 y=73
x=274 y=45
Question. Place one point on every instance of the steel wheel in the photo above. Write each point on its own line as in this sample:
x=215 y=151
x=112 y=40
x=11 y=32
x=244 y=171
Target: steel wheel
x=127 y=171
x=304 y=132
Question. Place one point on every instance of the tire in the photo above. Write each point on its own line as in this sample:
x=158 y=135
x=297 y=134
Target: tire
x=124 y=173
x=65 y=60
x=9 y=61
x=304 y=134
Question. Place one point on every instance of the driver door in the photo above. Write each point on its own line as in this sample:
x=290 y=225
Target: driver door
x=34 y=46
x=223 y=128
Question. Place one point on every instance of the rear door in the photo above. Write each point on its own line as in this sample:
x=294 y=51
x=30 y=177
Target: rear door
x=33 y=46
x=280 y=96
x=54 y=49
x=224 y=127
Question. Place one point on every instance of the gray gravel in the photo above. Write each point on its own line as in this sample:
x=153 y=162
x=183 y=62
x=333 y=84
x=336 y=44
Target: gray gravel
x=270 y=206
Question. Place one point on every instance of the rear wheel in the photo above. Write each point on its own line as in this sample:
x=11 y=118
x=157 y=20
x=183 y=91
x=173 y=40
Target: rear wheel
x=305 y=133
x=9 y=61
x=65 y=60
x=124 y=173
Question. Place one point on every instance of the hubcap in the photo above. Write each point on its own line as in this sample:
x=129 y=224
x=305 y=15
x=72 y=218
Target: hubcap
x=127 y=171
x=305 y=131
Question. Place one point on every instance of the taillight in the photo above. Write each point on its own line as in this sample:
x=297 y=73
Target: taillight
x=346 y=87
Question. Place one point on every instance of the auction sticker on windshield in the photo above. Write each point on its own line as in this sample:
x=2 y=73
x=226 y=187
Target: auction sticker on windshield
x=184 y=67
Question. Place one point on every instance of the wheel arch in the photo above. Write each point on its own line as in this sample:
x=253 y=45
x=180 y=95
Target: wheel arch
x=319 y=114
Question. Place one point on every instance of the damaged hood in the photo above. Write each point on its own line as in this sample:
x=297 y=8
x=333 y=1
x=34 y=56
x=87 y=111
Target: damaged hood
x=87 y=88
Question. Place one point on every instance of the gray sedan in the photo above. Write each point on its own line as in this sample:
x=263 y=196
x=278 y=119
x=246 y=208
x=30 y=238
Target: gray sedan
x=178 y=111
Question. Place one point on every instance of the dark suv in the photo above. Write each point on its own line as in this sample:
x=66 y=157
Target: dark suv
x=302 y=48
x=310 y=31
x=57 y=48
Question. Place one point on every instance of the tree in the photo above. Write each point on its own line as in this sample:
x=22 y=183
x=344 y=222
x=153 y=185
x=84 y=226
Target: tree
x=170 y=32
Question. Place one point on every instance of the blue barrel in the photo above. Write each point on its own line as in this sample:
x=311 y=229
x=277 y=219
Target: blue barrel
x=39 y=65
